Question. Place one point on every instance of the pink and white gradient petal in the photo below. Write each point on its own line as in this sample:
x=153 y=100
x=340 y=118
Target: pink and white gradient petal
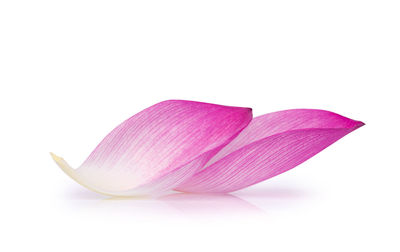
x=158 y=148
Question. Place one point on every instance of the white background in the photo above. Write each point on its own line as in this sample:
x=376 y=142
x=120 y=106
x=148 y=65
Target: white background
x=70 y=71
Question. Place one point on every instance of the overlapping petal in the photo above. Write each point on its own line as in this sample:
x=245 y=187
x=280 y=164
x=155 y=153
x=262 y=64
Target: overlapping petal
x=200 y=147
x=271 y=144
x=159 y=148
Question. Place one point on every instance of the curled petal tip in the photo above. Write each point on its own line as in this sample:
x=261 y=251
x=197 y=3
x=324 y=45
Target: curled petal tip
x=67 y=169
x=63 y=165
x=54 y=156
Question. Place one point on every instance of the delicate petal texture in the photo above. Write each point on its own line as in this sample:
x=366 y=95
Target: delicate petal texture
x=271 y=144
x=159 y=148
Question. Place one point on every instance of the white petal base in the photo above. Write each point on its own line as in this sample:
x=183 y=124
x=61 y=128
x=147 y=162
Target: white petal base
x=72 y=173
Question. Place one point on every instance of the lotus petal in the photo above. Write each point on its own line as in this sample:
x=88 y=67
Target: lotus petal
x=158 y=148
x=271 y=144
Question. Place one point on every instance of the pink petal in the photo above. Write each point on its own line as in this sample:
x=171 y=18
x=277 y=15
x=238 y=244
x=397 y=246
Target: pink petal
x=271 y=144
x=159 y=148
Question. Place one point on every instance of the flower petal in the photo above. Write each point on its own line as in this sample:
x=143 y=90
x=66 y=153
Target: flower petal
x=159 y=148
x=271 y=144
